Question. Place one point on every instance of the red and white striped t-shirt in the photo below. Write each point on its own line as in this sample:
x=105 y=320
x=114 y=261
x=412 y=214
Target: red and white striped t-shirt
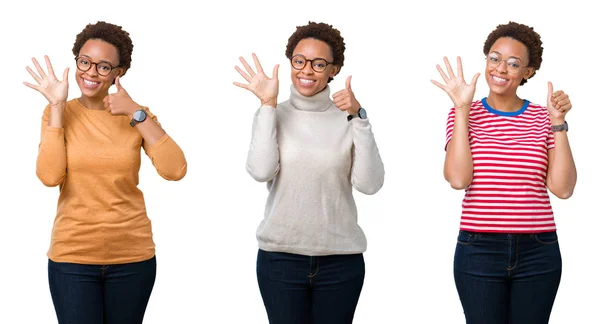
x=510 y=158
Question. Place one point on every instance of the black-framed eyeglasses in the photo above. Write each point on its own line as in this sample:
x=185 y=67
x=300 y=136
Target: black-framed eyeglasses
x=513 y=65
x=317 y=64
x=103 y=68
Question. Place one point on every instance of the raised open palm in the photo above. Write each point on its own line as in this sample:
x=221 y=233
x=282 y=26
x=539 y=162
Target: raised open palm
x=459 y=91
x=265 y=88
x=54 y=90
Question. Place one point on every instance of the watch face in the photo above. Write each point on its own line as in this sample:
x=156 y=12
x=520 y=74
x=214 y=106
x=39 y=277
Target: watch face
x=362 y=113
x=139 y=115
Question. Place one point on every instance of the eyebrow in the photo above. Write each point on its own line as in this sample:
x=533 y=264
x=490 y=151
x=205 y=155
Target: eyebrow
x=101 y=61
x=518 y=58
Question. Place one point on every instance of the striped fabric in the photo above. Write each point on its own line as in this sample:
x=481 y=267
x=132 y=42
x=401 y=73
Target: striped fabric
x=510 y=157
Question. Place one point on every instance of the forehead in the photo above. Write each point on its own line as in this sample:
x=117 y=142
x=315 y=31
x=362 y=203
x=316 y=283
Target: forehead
x=508 y=47
x=311 y=48
x=100 y=50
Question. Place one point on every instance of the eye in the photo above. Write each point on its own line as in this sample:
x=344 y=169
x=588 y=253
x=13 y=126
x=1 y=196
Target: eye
x=513 y=64
x=104 y=67
x=493 y=59
x=84 y=62
x=320 y=65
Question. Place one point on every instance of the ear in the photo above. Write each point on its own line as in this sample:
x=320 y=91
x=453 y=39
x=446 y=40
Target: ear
x=528 y=73
x=334 y=71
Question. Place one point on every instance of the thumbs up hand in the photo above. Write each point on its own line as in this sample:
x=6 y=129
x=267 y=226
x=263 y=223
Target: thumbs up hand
x=345 y=100
x=558 y=104
x=120 y=103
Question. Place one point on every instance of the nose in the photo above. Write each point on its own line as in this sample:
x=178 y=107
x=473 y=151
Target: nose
x=92 y=71
x=307 y=69
x=501 y=66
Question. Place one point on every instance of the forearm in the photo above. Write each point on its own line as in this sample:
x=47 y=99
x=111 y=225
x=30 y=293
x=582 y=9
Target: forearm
x=150 y=131
x=367 y=167
x=263 y=156
x=562 y=174
x=458 y=166
x=51 y=164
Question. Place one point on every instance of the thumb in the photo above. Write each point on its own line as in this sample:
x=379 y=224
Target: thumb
x=276 y=72
x=348 y=83
x=550 y=91
x=66 y=76
x=474 y=80
x=118 y=84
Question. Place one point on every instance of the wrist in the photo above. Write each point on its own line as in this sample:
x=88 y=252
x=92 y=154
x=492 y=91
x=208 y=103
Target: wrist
x=58 y=105
x=557 y=121
x=269 y=102
x=133 y=110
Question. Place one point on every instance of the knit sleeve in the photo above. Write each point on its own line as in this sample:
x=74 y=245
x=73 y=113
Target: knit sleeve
x=263 y=156
x=367 y=167
x=51 y=165
x=166 y=156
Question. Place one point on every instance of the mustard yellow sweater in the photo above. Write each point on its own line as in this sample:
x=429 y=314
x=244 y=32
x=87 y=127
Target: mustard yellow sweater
x=95 y=158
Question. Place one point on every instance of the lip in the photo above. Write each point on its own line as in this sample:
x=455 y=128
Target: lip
x=499 y=80
x=306 y=82
x=89 y=84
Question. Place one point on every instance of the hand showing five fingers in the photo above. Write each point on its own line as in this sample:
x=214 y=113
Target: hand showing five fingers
x=459 y=91
x=54 y=90
x=265 y=88
x=345 y=100
x=558 y=104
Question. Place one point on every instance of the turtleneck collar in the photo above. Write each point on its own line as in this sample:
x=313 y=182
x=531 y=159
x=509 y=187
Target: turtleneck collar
x=317 y=102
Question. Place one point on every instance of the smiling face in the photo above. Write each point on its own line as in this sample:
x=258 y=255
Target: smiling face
x=307 y=81
x=93 y=85
x=507 y=66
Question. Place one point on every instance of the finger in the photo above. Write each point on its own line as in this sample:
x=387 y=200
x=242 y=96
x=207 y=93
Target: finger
x=39 y=68
x=66 y=76
x=474 y=80
x=118 y=84
x=564 y=102
x=442 y=73
x=557 y=93
x=459 y=68
x=32 y=86
x=259 y=68
x=449 y=67
x=49 y=66
x=339 y=94
x=33 y=74
x=550 y=90
x=348 y=87
x=276 y=72
x=439 y=85
x=247 y=66
x=241 y=85
x=243 y=74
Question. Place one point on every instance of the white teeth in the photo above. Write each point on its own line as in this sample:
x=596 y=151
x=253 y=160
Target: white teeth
x=497 y=79
x=90 y=82
x=304 y=81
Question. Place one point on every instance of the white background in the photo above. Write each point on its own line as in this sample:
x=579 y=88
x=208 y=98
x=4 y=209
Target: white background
x=204 y=226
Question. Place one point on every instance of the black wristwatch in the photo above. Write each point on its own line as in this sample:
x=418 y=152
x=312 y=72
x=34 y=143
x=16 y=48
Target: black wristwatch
x=561 y=127
x=362 y=114
x=138 y=117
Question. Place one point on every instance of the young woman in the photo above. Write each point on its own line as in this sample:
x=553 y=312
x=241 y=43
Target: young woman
x=312 y=150
x=506 y=152
x=101 y=259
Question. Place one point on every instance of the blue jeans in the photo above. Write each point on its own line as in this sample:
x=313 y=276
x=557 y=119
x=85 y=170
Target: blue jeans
x=101 y=294
x=298 y=289
x=507 y=278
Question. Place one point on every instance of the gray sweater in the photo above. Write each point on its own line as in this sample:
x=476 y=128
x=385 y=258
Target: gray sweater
x=311 y=157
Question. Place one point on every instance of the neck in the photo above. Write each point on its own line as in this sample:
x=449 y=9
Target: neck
x=507 y=103
x=318 y=102
x=96 y=103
